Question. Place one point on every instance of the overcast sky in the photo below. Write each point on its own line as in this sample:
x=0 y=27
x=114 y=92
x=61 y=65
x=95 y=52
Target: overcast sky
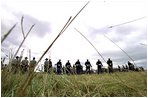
x=49 y=16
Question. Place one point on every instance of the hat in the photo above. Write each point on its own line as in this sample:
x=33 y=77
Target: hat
x=17 y=57
x=46 y=59
x=26 y=58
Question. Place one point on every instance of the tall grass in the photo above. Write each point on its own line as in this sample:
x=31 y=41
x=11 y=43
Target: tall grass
x=53 y=85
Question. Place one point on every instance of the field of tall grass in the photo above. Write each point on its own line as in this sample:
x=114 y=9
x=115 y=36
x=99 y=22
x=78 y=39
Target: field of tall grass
x=118 y=84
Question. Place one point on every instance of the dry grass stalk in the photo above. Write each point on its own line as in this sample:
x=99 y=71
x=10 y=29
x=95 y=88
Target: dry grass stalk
x=22 y=26
x=6 y=35
x=23 y=40
x=91 y=44
x=121 y=50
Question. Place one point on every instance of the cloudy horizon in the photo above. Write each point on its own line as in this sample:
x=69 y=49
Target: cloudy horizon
x=94 y=21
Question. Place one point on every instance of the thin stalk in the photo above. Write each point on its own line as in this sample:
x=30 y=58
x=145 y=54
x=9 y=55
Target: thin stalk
x=23 y=40
x=29 y=54
x=127 y=22
x=22 y=26
x=90 y=44
x=6 y=35
x=76 y=16
x=120 y=49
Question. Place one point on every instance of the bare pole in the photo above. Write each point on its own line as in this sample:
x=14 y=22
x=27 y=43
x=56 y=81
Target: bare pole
x=23 y=40
x=6 y=35
x=90 y=44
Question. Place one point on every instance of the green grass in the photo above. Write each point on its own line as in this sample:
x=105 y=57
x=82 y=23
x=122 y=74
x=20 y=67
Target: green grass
x=131 y=84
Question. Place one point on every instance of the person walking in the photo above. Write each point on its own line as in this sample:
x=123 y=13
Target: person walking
x=15 y=65
x=59 y=67
x=68 y=67
x=32 y=64
x=110 y=65
x=78 y=67
x=46 y=65
x=88 y=66
x=24 y=65
x=99 y=66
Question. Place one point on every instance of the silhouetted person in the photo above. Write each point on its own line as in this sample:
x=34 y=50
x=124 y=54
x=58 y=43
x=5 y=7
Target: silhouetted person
x=68 y=67
x=78 y=67
x=32 y=64
x=126 y=67
x=46 y=65
x=119 y=68
x=25 y=65
x=99 y=66
x=123 y=68
x=131 y=66
x=110 y=65
x=15 y=65
x=50 y=66
x=59 y=67
x=88 y=66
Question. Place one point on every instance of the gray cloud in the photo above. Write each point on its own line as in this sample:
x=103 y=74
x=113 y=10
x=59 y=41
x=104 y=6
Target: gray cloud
x=41 y=27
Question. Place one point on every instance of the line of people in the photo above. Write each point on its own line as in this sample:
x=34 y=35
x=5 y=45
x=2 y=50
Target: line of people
x=77 y=68
x=129 y=67
x=22 y=66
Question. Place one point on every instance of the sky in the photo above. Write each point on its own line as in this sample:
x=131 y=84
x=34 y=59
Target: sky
x=49 y=16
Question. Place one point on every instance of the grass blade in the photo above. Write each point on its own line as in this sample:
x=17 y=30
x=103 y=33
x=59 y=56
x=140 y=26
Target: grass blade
x=6 y=35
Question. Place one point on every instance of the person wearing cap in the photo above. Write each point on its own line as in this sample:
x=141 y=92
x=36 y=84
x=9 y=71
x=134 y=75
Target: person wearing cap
x=110 y=65
x=24 y=65
x=88 y=66
x=46 y=65
x=99 y=66
x=32 y=64
x=15 y=65
x=59 y=67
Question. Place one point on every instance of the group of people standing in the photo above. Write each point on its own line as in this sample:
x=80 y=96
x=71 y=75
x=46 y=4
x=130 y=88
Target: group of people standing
x=22 y=66
x=77 y=68
x=25 y=66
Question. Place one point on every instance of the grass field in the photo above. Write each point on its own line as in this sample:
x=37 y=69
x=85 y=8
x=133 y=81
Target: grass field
x=116 y=84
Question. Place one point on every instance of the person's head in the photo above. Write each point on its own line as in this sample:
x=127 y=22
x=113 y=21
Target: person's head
x=33 y=58
x=46 y=59
x=59 y=60
x=26 y=58
x=68 y=61
x=87 y=60
x=17 y=57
